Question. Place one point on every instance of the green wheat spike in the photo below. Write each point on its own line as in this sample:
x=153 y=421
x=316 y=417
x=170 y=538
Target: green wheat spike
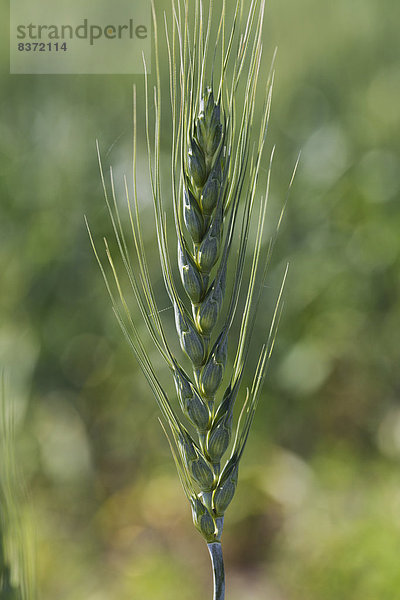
x=217 y=154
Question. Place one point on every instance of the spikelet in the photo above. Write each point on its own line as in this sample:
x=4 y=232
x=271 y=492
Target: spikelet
x=203 y=520
x=226 y=487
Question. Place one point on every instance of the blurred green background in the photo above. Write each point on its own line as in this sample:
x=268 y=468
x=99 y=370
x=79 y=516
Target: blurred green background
x=317 y=511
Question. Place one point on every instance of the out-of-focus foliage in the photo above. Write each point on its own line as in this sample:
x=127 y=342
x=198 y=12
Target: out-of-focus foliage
x=317 y=508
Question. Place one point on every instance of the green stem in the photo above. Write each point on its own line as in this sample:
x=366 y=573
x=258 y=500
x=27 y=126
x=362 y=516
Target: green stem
x=217 y=561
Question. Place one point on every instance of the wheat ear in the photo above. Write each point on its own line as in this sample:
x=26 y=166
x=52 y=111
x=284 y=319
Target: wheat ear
x=215 y=173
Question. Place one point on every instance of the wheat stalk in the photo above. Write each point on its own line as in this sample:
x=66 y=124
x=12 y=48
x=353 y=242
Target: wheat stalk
x=215 y=173
x=17 y=557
